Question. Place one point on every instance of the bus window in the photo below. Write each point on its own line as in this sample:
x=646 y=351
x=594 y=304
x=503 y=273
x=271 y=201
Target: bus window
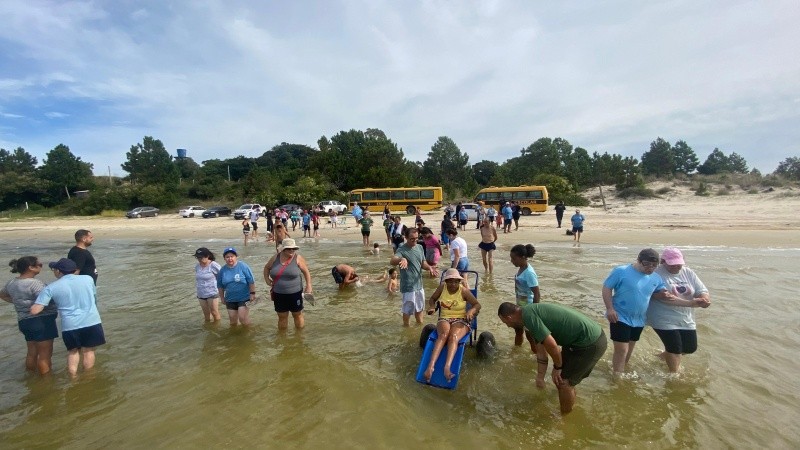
x=412 y=195
x=492 y=195
x=398 y=195
x=383 y=195
x=536 y=195
x=426 y=194
x=481 y=196
x=355 y=197
x=521 y=195
x=368 y=196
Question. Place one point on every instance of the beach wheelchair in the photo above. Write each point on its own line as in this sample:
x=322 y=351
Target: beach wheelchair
x=484 y=345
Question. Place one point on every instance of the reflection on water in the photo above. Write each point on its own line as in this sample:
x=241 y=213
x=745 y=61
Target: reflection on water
x=167 y=379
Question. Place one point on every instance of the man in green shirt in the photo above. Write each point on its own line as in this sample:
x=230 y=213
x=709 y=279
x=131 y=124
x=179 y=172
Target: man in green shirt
x=411 y=260
x=581 y=339
x=366 y=223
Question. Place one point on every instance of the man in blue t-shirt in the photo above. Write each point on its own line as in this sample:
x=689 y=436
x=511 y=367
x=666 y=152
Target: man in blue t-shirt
x=74 y=296
x=577 y=220
x=626 y=294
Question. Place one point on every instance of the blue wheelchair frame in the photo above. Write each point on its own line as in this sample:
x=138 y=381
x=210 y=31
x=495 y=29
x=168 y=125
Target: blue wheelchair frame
x=438 y=379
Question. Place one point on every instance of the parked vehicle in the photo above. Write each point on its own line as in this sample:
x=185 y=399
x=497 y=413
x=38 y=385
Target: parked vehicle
x=142 y=211
x=328 y=205
x=472 y=211
x=290 y=206
x=245 y=210
x=192 y=211
x=216 y=211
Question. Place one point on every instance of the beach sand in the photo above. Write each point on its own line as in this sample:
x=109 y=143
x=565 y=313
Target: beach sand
x=678 y=217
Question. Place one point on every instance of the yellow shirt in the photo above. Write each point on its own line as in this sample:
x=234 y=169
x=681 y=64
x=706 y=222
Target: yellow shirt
x=453 y=306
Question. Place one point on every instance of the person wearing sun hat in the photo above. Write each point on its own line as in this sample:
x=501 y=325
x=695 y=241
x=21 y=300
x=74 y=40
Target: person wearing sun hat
x=626 y=294
x=673 y=321
x=285 y=273
x=237 y=287
x=75 y=298
x=454 y=318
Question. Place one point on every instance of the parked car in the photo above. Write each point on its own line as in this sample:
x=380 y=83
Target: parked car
x=192 y=211
x=290 y=206
x=472 y=211
x=328 y=205
x=244 y=210
x=142 y=211
x=216 y=211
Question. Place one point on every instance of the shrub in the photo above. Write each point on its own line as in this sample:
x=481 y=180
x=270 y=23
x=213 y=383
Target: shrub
x=702 y=189
x=663 y=190
x=636 y=192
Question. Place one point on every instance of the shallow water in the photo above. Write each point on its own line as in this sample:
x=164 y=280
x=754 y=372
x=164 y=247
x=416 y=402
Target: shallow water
x=167 y=380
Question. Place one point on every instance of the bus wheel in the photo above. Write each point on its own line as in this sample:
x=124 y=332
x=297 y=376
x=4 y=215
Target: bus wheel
x=485 y=347
x=526 y=211
x=426 y=333
x=411 y=210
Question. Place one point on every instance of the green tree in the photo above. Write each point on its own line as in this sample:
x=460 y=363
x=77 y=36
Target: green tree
x=578 y=168
x=659 y=160
x=789 y=168
x=18 y=161
x=447 y=166
x=484 y=171
x=630 y=175
x=150 y=163
x=737 y=164
x=188 y=169
x=607 y=169
x=686 y=160
x=63 y=169
x=544 y=156
x=558 y=188
x=716 y=163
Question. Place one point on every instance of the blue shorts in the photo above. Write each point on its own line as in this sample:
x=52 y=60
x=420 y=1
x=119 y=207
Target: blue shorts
x=463 y=264
x=88 y=337
x=506 y=221
x=39 y=328
x=445 y=239
x=577 y=229
x=622 y=332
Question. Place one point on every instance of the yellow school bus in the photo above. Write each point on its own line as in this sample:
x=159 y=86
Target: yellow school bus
x=532 y=199
x=408 y=199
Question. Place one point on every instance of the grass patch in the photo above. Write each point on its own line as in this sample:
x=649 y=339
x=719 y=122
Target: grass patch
x=112 y=213
x=664 y=190
x=636 y=192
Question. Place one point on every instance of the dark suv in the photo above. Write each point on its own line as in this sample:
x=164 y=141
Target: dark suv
x=216 y=211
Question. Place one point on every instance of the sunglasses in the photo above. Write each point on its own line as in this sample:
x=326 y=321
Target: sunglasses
x=649 y=263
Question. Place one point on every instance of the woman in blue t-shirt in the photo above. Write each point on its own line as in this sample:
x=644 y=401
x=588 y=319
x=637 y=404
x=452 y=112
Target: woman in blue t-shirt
x=237 y=287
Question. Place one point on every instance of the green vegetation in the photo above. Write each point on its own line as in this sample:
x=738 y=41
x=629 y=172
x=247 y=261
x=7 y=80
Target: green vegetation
x=296 y=173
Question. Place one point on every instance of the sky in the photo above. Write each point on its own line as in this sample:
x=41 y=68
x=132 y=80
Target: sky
x=228 y=78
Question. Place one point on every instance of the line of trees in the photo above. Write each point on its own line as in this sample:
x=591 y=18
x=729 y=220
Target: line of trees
x=296 y=173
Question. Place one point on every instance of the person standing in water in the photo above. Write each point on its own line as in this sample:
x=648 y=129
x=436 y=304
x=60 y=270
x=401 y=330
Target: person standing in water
x=82 y=256
x=487 y=245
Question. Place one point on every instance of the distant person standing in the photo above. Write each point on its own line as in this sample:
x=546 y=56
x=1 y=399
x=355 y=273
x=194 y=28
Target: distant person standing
x=306 y=218
x=366 y=224
x=487 y=245
x=75 y=298
x=508 y=217
x=245 y=231
x=357 y=212
x=577 y=225
x=560 y=208
x=236 y=287
x=516 y=212
x=205 y=273
x=491 y=213
x=254 y=213
x=268 y=214
x=458 y=251
x=81 y=256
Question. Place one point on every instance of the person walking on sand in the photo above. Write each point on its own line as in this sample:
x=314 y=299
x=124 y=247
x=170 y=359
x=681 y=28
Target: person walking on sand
x=246 y=230
x=491 y=213
x=508 y=217
x=516 y=212
x=82 y=256
x=626 y=294
x=254 y=213
x=577 y=220
x=75 y=297
x=281 y=233
x=560 y=208
x=487 y=245
x=581 y=340
x=411 y=260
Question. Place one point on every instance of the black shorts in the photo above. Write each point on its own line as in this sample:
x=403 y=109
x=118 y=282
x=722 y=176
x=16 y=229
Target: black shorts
x=679 y=342
x=306 y=227
x=288 y=302
x=462 y=222
x=337 y=276
x=254 y=225
x=487 y=246
x=622 y=332
x=88 y=337
x=233 y=306
x=577 y=362
x=39 y=328
x=577 y=229
x=365 y=233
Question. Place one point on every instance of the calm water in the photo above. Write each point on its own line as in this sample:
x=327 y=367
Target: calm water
x=167 y=380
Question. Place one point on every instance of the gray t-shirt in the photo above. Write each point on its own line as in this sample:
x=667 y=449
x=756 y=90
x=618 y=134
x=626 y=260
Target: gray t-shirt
x=686 y=285
x=411 y=277
x=23 y=293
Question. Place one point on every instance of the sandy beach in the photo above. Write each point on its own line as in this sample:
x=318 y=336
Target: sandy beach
x=677 y=218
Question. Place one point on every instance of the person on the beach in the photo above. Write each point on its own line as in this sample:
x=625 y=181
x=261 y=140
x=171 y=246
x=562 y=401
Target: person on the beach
x=254 y=214
x=480 y=213
x=463 y=218
x=357 y=212
x=333 y=218
x=388 y=221
x=516 y=212
x=294 y=215
x=454 y=319
x=306 y=219
x=268 y=213
x=433 y=248
x=626 y=295
x=75 y=298
x=237 y=287
x=246 y=230
x=500 y=219
x=411 y=260
x=376 y=249
x=577 y=225
x=560 y=208
x=508 y=217
x=205 y=273
x=82 y=256
x=397 y=231
x=391 y=279
x=447 y=223
x=366 y=223
x=526 y=290
x=39 y=331
x=344 y=275
x=487 y=244
x=315 y=222
x=458 y=251
x=674 y=321
x=418 y=218
x=386 y=212
x=286 y=272
x=491 y=213
x=581 y=341
x=281 y=233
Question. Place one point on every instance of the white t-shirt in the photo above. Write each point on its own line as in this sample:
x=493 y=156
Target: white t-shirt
x=460 y=244
x=686 y=285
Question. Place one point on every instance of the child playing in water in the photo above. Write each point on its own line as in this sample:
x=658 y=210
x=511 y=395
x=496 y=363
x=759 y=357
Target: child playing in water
x=392 y=282
x=376 y=249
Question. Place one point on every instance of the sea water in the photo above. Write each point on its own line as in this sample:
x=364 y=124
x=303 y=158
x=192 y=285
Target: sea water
x=167 y=380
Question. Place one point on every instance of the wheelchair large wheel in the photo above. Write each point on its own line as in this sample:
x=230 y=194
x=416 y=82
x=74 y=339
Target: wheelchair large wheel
x=426 y=333
x=485 y=347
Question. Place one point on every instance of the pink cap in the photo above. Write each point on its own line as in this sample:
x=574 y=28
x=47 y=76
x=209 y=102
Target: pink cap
x=672 y=256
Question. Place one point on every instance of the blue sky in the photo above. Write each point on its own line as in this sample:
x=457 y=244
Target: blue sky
x=229 y=78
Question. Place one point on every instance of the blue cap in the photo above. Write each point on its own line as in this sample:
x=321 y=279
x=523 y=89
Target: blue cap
x=64 y=265
x=230 y=250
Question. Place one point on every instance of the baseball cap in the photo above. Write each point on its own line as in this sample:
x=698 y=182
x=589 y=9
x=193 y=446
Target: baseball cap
x=229 y=250
x=64 y=265
x=672 y=256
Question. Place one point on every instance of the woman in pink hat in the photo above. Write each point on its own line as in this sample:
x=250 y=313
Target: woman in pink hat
x=673 y=320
